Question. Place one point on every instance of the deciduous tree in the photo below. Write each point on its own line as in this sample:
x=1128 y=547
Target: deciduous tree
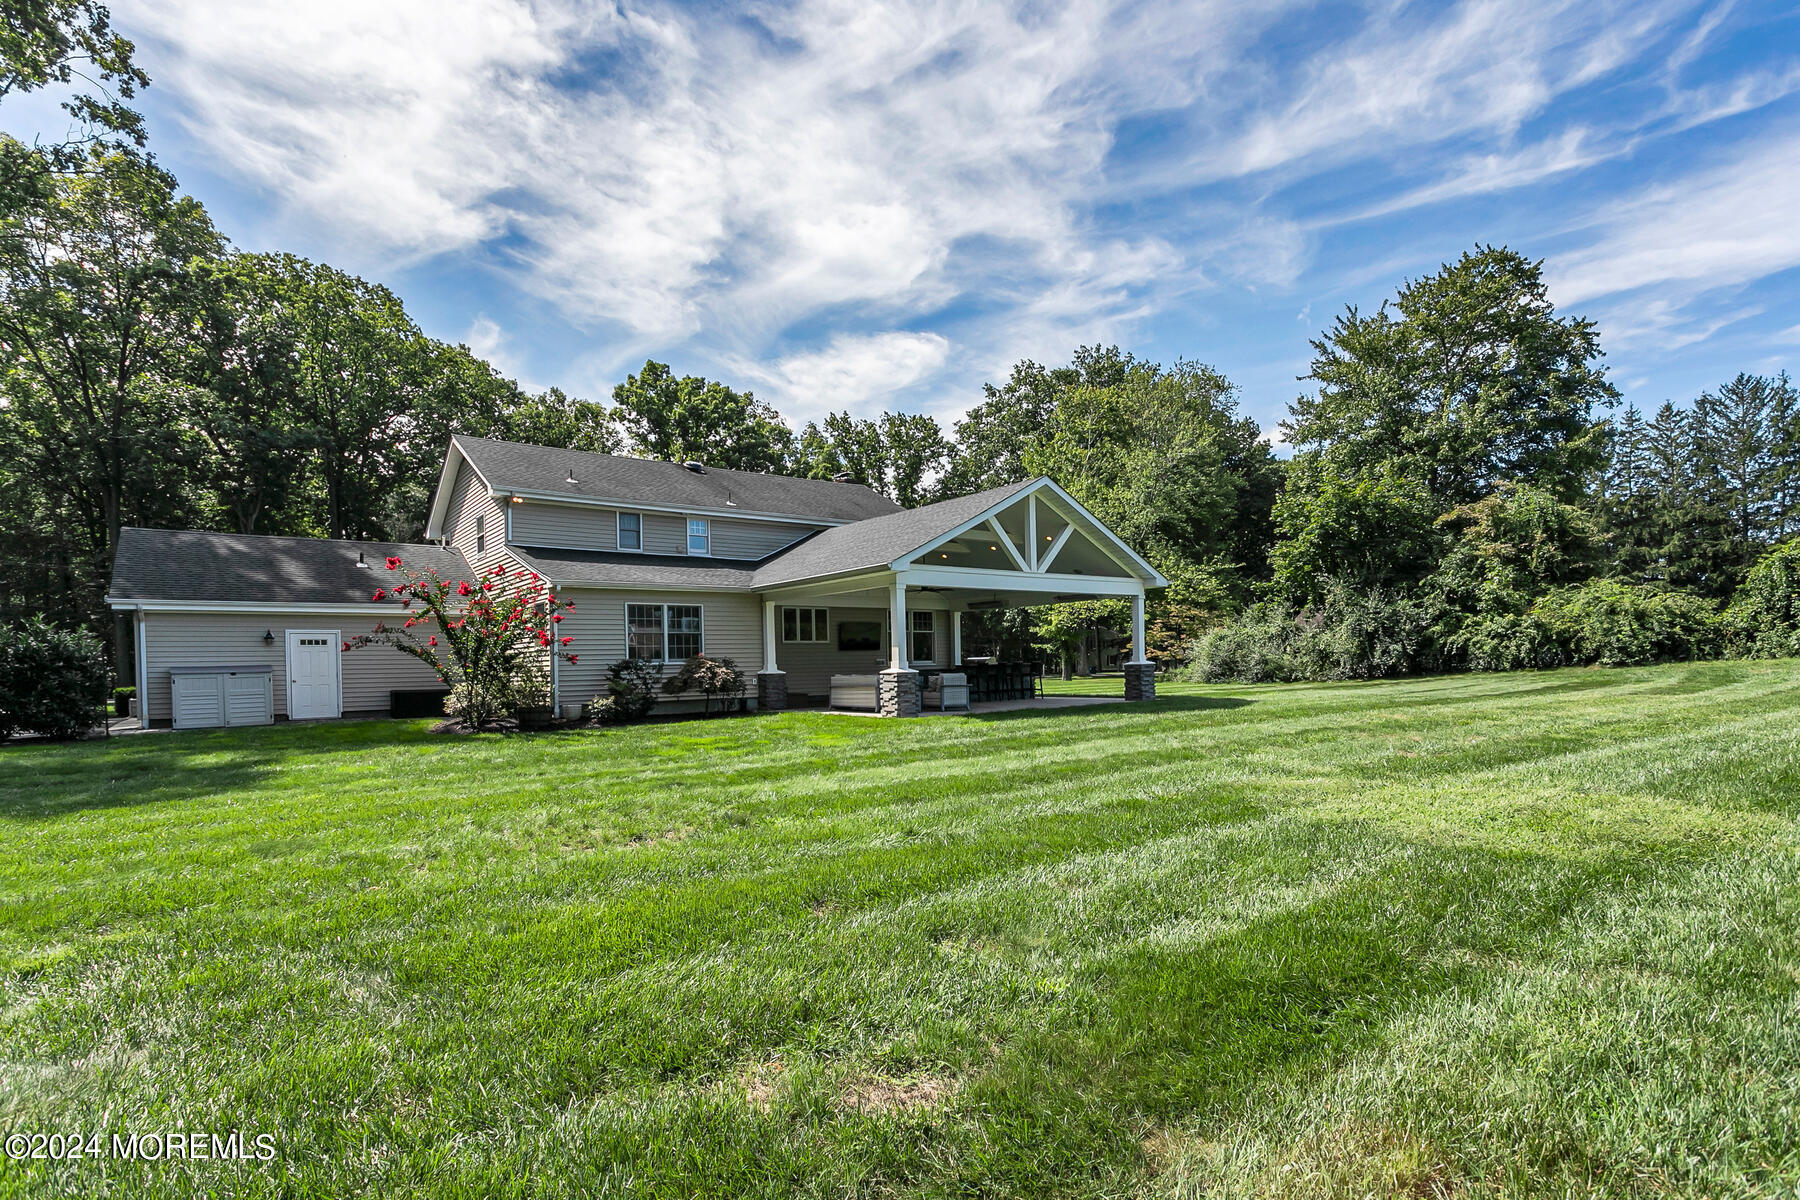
x=677 y=419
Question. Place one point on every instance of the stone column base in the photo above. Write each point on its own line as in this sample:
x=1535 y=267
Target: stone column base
x=897 y=693
x=771 y=690
x=1140 y=681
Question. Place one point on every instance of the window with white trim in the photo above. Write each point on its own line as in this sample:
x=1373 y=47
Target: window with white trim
x=699 y=535
x=631 y=531
x=923 y=643
x=663 y=632
x=805 y=625
x=480 y=533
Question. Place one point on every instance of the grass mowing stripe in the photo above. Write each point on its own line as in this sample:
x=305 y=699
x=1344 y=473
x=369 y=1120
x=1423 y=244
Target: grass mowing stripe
x=1519 y=933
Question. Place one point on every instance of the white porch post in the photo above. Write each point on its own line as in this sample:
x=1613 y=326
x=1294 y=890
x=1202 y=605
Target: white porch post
x=771 y=681
x=1140 y=672
x=897 y=651
x=769 y=614
x=1137 y=629
x=897 y=688
x=956 y=638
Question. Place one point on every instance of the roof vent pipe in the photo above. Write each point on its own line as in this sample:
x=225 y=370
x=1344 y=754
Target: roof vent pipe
x=695 y=467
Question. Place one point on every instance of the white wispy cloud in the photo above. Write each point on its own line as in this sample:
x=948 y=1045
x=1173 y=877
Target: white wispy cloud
x=860 y=373
x=1724 y=224
x=794 y=192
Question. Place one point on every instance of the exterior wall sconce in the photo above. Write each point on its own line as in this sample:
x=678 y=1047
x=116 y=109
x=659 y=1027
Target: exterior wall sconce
x=268 y=637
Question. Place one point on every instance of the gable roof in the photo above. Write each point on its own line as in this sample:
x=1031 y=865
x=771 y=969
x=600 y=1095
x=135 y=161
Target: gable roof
x=879 y=541
x=186 y=564
x=541 y=471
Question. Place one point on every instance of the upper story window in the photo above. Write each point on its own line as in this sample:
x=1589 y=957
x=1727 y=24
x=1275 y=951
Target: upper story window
x=631 y=531
x=805 y=625
x=699 y=536
x=480 y=533
x=922 y=646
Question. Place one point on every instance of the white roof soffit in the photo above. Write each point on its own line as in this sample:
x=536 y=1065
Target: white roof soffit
x=1049 y=492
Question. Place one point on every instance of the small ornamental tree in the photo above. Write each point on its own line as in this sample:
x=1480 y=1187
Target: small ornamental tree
x=710 y=677
x=490 y=639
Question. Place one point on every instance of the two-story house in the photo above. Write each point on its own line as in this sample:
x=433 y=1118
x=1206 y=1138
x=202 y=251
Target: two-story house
x=798 y=580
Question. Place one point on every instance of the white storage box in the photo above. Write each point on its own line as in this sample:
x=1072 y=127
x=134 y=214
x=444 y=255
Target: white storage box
x=203 y=697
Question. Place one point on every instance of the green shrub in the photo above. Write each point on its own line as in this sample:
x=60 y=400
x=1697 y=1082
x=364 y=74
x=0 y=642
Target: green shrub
x=1354 y=633
x=121 y=698
x=630 y=693
x=1254 y=648
x=1612 y=624
x=1365 y=633
x=1504 y=642
x=1764 y=618
x=52 y=680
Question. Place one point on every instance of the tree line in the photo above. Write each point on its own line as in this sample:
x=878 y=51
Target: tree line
x=1464 y=487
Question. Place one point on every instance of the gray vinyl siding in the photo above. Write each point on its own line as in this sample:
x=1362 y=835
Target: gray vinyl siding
x=810 y=665
x=754 y=539
x=565 y=527
x=665 y=534
x=468 y=499
x=731 y=627
x=236 y=639
x=576 y=528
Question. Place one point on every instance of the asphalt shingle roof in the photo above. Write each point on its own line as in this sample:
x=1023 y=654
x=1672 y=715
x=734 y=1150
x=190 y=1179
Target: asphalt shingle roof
x=168 y=564
x=511 y=466
x=604 y=568
x=878 y=541
x=180 y=564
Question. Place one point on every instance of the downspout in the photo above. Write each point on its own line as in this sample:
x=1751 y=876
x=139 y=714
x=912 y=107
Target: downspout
x=555 y=658
x=555 y=679
x=143 y=668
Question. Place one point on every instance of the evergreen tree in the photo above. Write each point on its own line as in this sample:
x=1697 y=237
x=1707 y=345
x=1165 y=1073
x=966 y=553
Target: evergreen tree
x=1738 y=448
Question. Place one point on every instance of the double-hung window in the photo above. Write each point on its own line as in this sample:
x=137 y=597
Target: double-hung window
x=922 y=647
x=805 y=625
x=480 y=533
x=699 y=536
x=631 y=531
x=662 y=632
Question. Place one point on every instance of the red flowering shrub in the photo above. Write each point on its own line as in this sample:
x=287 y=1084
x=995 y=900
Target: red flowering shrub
x=492 y=642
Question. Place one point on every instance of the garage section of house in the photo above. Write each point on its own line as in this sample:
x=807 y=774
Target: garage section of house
x=214 y=647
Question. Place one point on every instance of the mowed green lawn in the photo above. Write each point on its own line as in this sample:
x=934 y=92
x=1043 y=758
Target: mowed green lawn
x=1528 y=934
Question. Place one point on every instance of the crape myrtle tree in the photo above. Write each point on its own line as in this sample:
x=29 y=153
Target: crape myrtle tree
x=491 y=639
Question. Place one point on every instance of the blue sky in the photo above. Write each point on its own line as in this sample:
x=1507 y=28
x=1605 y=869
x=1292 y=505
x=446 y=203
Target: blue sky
x=861 y=204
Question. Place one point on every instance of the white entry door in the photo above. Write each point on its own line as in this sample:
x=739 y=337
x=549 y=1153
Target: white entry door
x=312 y=671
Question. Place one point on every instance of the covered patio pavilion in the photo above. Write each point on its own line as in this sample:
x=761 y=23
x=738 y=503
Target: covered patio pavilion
x=1022 y=545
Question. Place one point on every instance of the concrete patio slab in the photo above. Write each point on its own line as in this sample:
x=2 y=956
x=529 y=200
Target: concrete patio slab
x=994 y=706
